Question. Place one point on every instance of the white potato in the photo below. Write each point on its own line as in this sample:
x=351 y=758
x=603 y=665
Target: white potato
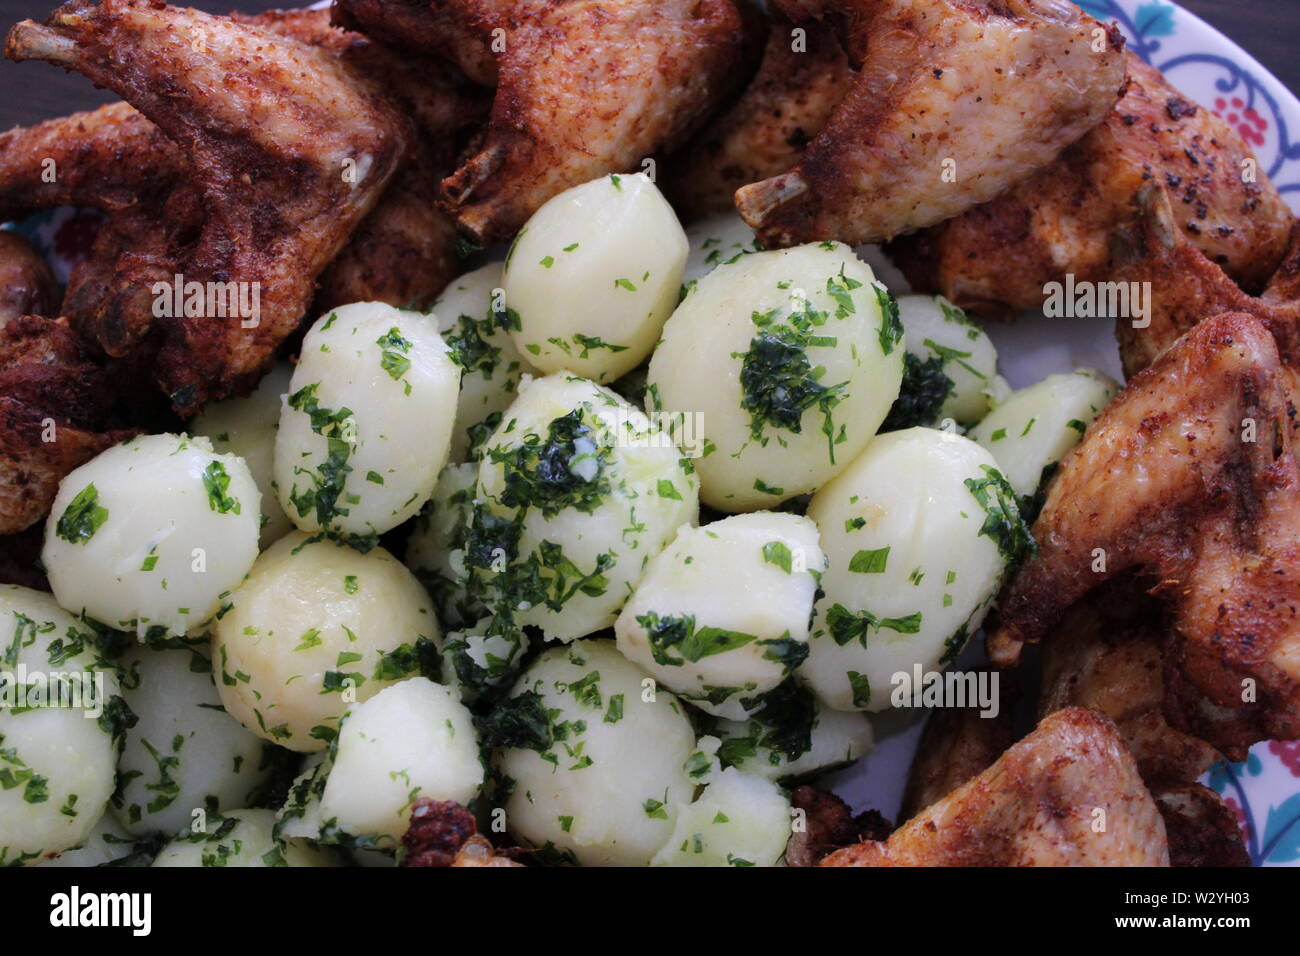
x=185 y=752
x=106 y=843
x=317 y=627
x=1035 y=426
x=246 y=427
x=789 y=363
x=60 y=722
x=473 y=320
x=484 y=658
x=367 y=422
x=152 y=534
x=601 y=782
x=793 y=735
x=240 y=838
x=300 y=817
x=412 y=740
x=719 y=238
x=937 y=330
x=592 y=276
x=435 y=548
x=720 y=616
x=577 y=491
x=739 y=820
x=918 y=532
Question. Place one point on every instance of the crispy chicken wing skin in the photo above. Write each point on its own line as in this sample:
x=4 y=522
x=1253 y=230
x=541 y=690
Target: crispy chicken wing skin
x=999 y=256
x=1187 y=477
x=53 y=408
x=290 y=150
x=1106 y=654
x=799 y=83
x=26 y=285
x=955 y=101
x=583 y=88
x=443 y=833
x=1201 y=828
x=451 y=30
x=1036 y=806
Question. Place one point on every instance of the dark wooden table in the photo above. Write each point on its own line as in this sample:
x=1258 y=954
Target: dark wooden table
x=35 y=91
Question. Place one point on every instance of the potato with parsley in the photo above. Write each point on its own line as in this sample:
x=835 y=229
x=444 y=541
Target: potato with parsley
x=475 y=324
x=715 y=240
x=951 y=365
x=596 y=753
x=739 y=820
x=918 y=532
x=184 y=751
x=790 y=360
x=239 y=838
x=61 y=720
x=317 y=627
x=1034 y=427
x=367 y=422
x=593 y=275
x=107 y=843
x=246 y=426
x=435 y=550
x=793 y=735
x=577 y=491
x=720 y=616
x=411 y=740
x=152 y=534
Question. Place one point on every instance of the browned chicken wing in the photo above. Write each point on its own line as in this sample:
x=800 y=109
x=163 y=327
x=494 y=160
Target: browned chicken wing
x=1188 y=477
x=1202 y=829
x=955 y=101
x=803 y=76
x=1069 y=794
x=290 y=151
x=999 y=256
x=443 y=833
x=583 y=88
x=26 y=285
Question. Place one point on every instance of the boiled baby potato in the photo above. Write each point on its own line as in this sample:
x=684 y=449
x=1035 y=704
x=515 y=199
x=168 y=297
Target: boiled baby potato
x=596 y=755
x=152 y=534
x=106 y=843
x=577 y=491
x=789 y=360
x=61 y=720
x=720 y=616
x=240 y=838
x=1036 y=426
x=246 y=427
x=475 y=324
x=317 y=627
x=739 y=820
x=793 y=735
x=918 y=531
x=411 y=740
x=944 y=345
x=435 y=548
x=184 y=752
x=719 y=238
x=367 y=422
x=593 y=275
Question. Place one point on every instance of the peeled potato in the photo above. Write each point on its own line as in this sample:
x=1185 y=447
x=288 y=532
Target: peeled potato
x=475 y=324
x=940 y=334
x=739 y=820
x=246 y=427
x=435 y=549
x=240 y=838
x=593 y=275
x=715 y=240
x=152 y=534
x=1035 y=426
x=918 y=532
x=789 y=360
x=367 y=422
x=720 y=616
x=317 y=627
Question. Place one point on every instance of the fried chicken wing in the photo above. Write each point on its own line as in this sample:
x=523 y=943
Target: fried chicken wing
x=1069 y=794
x=443 y=833
x=1202 y=829
x=827 y=825
x=999 y=256
x=802 y=78
x=289 y=149
x=54 y=404
x=1189 y=478
x=26 y=285
x=583 y=88
x=955 y=101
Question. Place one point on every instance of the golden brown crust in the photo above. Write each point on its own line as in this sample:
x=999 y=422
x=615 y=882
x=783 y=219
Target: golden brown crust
x=826 y=825
x=999 y=256
x=443 y=833
x=1201 y=828
x=955 y=101
x=26 y=285
x=1069 y=794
